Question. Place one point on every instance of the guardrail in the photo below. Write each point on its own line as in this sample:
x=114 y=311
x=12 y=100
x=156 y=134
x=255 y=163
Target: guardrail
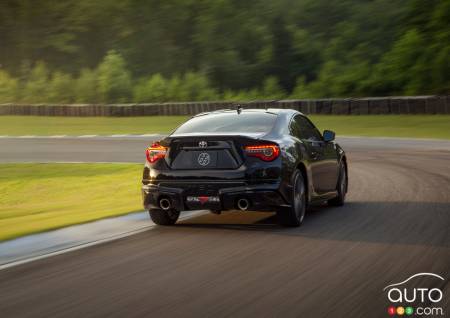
x=337 y=106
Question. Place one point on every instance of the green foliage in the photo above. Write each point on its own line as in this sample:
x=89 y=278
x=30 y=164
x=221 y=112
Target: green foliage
x=86 y=87
x=178 y=50
x=195 y=86
x=173 y=88
x=36 y=88
x=242 y=95
x=300 y=90
x=8 y=88
x=393 y=72
x=191 y=87
x=61 y=88
x=271 y=89
x=114 y=81
x=153 y=89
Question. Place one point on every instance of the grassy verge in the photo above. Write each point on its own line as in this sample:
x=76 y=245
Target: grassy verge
x=408 y=126
x=40 y=197
x=411 y=126
x=46 y=126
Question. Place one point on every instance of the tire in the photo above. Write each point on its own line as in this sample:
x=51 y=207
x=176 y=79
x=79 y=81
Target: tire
x=161 y=217
x=294 y=215
x=341 y=187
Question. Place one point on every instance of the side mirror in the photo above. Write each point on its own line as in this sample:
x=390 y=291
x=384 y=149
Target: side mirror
x=328 y=135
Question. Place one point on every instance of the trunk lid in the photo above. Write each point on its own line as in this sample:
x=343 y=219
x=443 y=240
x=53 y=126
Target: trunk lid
x=195 y=152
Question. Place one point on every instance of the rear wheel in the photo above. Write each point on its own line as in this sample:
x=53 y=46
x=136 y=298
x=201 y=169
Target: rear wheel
x=162 y=217
x=341 y=187
x=296 y=213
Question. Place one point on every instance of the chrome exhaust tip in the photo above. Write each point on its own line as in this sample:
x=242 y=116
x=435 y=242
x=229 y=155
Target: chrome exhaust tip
x=164 y=204
x=243 y=204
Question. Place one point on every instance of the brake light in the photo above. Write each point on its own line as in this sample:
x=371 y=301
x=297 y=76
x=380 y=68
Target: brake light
x=263 y=152
x=155 y=152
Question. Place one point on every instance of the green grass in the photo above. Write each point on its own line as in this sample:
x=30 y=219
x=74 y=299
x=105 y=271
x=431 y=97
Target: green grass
x=412 y=126
x=408 y=126
x=46 y=126
x=41 y=197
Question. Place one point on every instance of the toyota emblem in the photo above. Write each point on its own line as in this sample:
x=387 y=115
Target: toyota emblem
x=203 y=144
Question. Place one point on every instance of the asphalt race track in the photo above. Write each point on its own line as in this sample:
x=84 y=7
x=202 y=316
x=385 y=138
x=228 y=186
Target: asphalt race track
x=396 y=223
x=132 y=148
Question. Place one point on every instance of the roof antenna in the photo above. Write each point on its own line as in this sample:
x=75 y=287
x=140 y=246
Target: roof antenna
x=238 y=108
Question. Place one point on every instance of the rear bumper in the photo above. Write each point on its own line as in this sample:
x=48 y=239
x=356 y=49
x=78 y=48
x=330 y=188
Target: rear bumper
x=262 y=197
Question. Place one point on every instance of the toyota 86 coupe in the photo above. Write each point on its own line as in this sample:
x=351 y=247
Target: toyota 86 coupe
x=245 y=159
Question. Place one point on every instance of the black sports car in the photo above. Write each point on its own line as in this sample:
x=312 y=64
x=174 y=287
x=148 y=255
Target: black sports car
x=251 y=160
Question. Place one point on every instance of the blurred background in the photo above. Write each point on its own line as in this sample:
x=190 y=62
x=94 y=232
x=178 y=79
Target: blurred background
x=83 y=51
x=357 y=67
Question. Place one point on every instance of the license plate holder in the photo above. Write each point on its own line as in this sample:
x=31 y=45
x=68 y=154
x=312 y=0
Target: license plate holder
x=203 y=202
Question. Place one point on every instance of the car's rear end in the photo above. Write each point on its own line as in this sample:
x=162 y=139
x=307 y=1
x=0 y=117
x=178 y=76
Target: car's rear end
x=218 y=161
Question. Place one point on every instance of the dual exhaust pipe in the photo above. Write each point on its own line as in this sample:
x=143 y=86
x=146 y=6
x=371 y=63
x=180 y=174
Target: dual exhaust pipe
x=243 y=204
x=165 y=204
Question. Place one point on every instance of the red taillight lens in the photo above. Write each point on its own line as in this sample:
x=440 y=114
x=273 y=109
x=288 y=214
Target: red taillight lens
x=263 y=152
x=155 y=152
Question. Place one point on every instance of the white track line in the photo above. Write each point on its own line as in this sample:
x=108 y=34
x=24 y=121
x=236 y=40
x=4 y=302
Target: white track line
x=80 y=136
x=73 y=248
x=75 y=162
x=96 y=242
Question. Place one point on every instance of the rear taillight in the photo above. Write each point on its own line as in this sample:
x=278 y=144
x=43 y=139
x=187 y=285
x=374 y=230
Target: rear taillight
x=155 y=152
x=263 y=152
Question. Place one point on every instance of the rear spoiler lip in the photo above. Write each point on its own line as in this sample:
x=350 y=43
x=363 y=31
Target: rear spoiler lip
x=213 y=135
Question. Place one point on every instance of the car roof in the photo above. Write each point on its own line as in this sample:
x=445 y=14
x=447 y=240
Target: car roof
x=275 y=111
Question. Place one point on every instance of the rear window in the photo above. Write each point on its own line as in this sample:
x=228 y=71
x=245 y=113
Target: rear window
x=230 y=122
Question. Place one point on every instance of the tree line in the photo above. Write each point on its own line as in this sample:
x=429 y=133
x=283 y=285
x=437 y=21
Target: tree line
x=185 y=50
